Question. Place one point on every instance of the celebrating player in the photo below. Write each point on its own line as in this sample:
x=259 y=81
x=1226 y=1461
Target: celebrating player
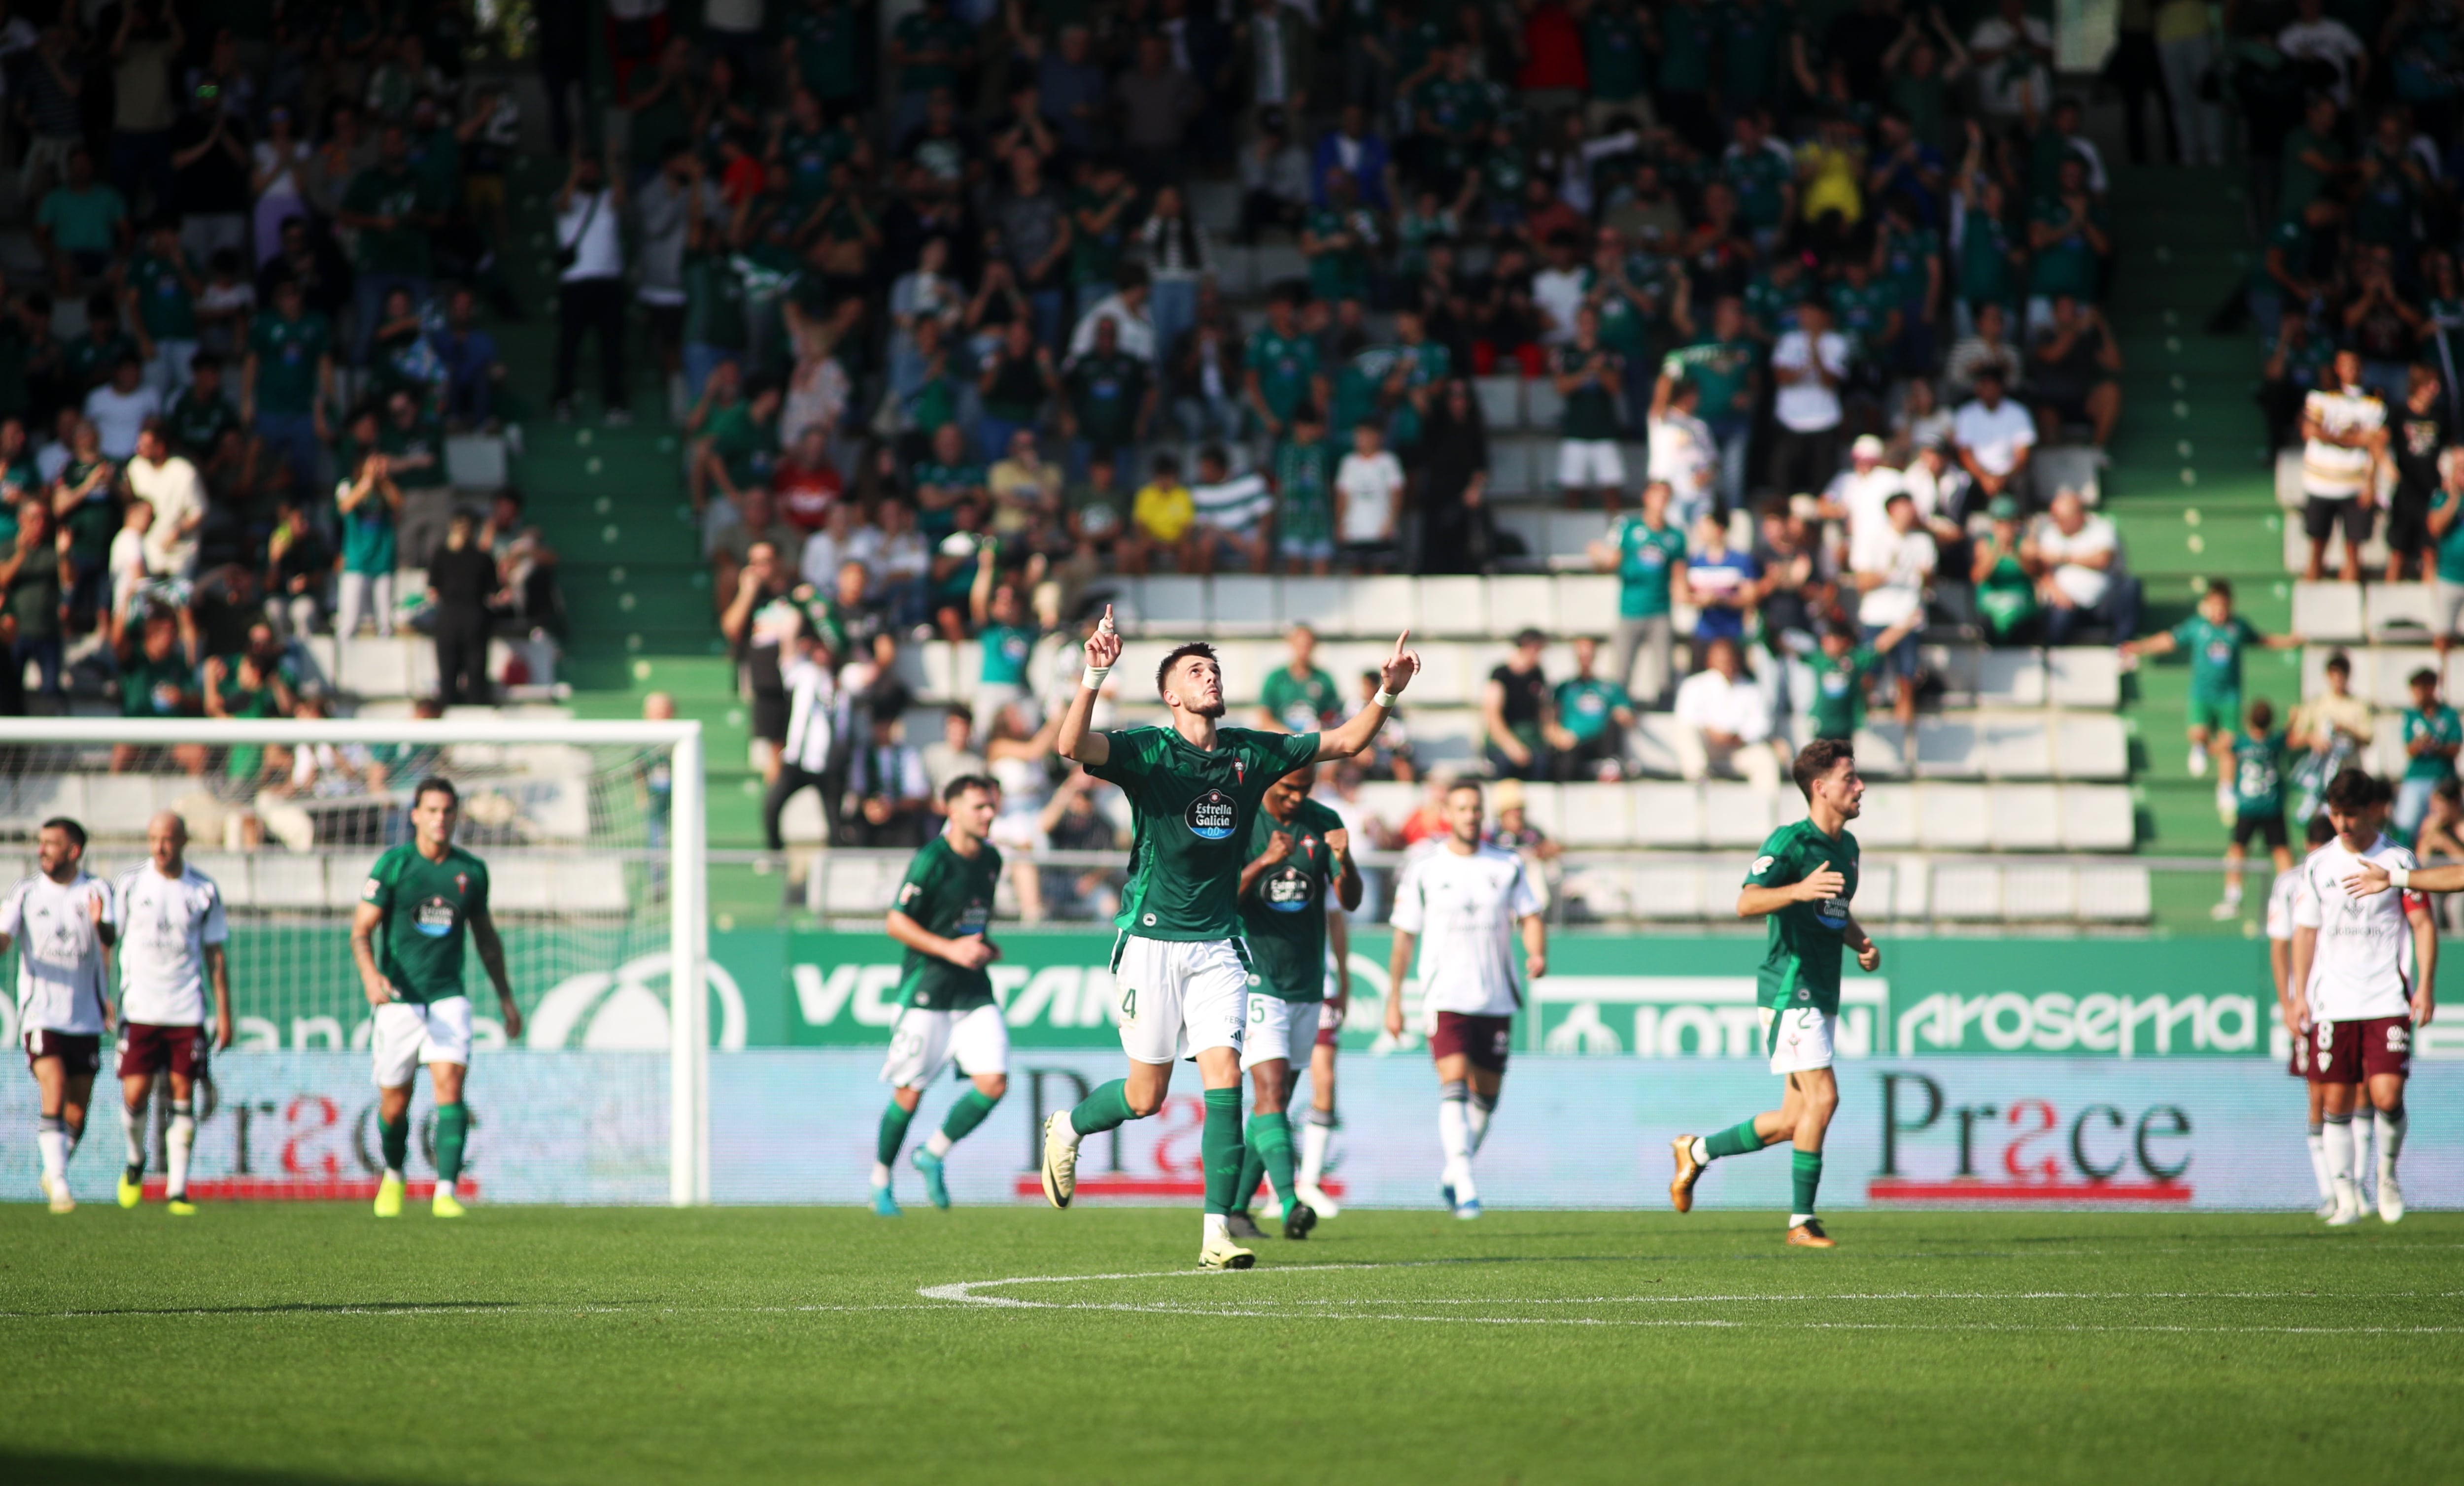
x=1803 y=882
x=172 y=933
x=419 y=897
x=1178 y=964
x=2282 y=896
x=64 y=917
x=1301 y=847
x=1462 y=904
x=950 y=1013
x=2350 y=986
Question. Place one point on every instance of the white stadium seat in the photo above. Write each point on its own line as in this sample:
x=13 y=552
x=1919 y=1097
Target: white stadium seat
x=1247 y=603
x=2040 y=890
x=1666 y=815
x=1735 y=814
x=1455 y=608
x=1966 y=891
x=1889 y=820
x=2328 y=612
x=2025 y=817
x=1596 y=815
x=1954 y=816
x=2091 y=746
x=2088 y=676
x=2099 y=818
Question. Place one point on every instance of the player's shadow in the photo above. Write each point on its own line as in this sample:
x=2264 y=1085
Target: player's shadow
x=22 y=1467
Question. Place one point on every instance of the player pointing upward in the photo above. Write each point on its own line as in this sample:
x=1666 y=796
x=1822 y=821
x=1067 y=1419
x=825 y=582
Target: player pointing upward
x=1178 y=964
x=1803 y=880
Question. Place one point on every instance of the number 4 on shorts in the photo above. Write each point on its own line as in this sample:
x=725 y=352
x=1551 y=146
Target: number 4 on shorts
x=1128 y=1003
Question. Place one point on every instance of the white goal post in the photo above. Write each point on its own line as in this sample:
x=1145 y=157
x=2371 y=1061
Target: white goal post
x=52 y=765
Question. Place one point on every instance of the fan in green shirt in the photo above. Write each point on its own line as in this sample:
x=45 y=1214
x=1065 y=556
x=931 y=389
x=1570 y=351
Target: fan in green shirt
x=1616 y=55
x=289 y=359
x=931 y=46
x=1299 y=849
x=1687 y=38
x=163 y=283
x=1300 y=697
x=825 y=37
x=1194 y=792
x=1305 y=498
x=2068 y=235
x=394 y=210
x=1802 y=884
x=1334 y=238
x=1281 y=365
x=2433 y=734
x=1843 y=669
x=1107 y=390
x=406 y=938
x=1648 y=556
x=2213 y=638
x=1761 y=175
x=2252 y=800
x=1592 y=715
x=200 y=415
x=943 y=908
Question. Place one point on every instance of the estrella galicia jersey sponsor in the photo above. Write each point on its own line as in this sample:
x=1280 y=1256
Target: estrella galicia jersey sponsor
x=952 y=896
x=1283 y=916
x=1191 y=812
x=425 y=904
x=1801 y=967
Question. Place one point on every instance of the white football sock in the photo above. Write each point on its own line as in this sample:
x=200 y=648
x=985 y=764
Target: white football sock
x=132 y=1128
x=880 y=1174
x=2318 y=1165
x=1217 y=1226
x=52 y=1139
x=1701 y=1151
x=2337 y=1139
x=2198 y=762
x=1454 y=1138
x=178 y=1141
x=1314 y=1139
x=1476 y=1119
x=2391 y=1129
x=937 y=1143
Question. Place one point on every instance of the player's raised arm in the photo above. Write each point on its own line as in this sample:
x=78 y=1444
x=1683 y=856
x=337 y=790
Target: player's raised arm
x=1361 y=731
x=1076 y=741
x=2373 y=879
x=1823 y=882
x=491 y=954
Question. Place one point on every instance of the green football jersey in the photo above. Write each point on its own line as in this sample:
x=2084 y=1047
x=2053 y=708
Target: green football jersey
x=1191 y=812
x=1801 y=967
x=2441 y=726
x=952 y=896
x=2258 y=776
x=1302 y=704
x=426 y=905
x=2215 y=653
x=1283 y=916
x=1839 y=707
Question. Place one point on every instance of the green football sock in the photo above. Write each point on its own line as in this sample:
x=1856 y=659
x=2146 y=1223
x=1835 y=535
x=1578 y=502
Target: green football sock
x=452 y=1128
x=1738 y=1140
x=1806 y=1172
x=1253 y=1165
x=1271 y=1145
x=1105 y=1109
x=894 y=1133
x=1222 y=1150
x=394 y=1138
x=966 y=1114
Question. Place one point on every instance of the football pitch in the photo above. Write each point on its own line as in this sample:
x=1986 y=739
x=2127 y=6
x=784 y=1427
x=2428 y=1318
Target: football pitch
x=299 y=1343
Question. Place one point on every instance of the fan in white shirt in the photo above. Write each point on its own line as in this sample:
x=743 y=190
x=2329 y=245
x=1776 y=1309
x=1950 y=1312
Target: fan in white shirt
x=172 y=934
x=1462 y=904
x=1368 y=491
x=2348 y=984
x=59 y=921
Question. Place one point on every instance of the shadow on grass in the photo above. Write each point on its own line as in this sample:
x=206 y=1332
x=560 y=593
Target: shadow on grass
x=26 y=1468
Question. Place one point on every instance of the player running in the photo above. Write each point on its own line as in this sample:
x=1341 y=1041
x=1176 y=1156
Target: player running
x=172 y=934
x=1178 y=964
x=1302 y=849
x=2282 y=896
x=61 y=920
x=406 y=936
x=1803 y=883
x=1463 y=903
x=2349 y=985
x=943 y=905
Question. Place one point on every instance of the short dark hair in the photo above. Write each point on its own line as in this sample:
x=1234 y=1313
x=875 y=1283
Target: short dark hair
x=1467 y=781
x=2319 y=832
x=2263 y=715
x=964 y=782
x=2221 y=587
x=435 y=784
x=1180 y=653
x=2339 y=661
x=75 y=832
x=2353 y=788
x=1818 y=758
x=2424 y=677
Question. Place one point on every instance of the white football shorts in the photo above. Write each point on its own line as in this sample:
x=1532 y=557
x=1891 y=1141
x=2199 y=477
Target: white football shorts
x=409 y=1033
x=924 y=1042
x=1178 y=998
x=1799 y=1038
x=1279 y=1029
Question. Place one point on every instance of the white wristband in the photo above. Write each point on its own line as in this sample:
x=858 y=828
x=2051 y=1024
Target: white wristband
x=2399 y=878
x=1093 y=680
x=1384 y=698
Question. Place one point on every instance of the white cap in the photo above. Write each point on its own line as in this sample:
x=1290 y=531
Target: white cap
x=1866 y=447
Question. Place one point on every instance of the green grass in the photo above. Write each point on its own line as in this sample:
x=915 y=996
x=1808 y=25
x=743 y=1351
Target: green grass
x=301 y=1344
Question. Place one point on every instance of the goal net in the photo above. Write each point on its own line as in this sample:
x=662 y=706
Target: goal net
x=592 y=836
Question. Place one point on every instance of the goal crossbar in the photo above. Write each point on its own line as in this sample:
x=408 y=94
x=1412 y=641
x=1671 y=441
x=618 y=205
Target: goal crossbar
x=688 y=929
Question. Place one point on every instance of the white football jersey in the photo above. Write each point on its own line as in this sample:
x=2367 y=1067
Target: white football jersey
x=59 y=955
x=165 y=923
x=2280 y=898
x=1464 y=909
x=2358 y=971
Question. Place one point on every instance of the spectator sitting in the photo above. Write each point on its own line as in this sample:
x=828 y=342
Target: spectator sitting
x=1518 y=713
x=1126 y=310
x=158 y=679
x=730 y=450
x=2084 y=582
x=1893 y=566
x=2005 y=582
x=1724 y=723
x=1593 y=716
x=2432 y=736
x=2330 y=729
x=757 y=521
x=81 y=224
x=121 y=406
x=1726 y=585
x=2072 y=372
x=807 y=485
x=1093 y=517
x=1989 y=348
x=1025 y=490
x=297 y=562
x=955 y=756
x=1995 y=437
x=1235 y=515
x=1514 y=831
x=475 y=375
x=1163 y=520
x=944 y=480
